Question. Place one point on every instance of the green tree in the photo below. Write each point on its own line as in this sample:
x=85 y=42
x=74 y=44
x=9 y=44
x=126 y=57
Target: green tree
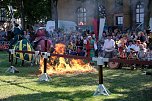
x=31 y=11
x=55 y=12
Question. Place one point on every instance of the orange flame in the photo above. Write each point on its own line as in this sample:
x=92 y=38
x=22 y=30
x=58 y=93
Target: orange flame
x=63 y=65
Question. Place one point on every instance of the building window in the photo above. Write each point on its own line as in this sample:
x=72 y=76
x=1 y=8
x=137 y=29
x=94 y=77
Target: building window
x=2 y=14
x=102 y=11
x=81 y=16
x=119 y=20
x=140 y=12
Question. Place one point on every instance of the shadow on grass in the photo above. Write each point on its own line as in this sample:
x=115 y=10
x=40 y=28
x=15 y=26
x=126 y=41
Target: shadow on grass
x=133 y=95
x=126 y=85
x=51 y=96
x=129 y=85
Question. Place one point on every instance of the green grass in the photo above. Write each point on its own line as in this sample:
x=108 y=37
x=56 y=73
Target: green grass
x=125 y=85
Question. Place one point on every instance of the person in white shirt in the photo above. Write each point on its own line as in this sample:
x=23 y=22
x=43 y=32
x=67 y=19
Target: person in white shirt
x=130 y=47
x=137 y=46
x=108 y=47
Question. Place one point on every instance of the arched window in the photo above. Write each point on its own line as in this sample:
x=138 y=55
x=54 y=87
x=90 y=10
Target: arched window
x=102 y=12
x=81 y=16
x=140 y=12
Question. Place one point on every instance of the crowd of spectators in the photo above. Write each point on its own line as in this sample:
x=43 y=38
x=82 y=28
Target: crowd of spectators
x=124 y=45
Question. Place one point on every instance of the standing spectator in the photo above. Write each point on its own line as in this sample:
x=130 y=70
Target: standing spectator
x=90 y=47
x=141 y=37
x=108 y=47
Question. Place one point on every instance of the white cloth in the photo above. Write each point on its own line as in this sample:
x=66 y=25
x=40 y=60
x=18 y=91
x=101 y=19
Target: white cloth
x=85 y=41
x=132 y=46
x=109 y=45
x=95 y=46
x=136 y=48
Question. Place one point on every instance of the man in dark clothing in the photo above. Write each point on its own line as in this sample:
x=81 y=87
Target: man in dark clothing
x=142 y=37
x=18 y=35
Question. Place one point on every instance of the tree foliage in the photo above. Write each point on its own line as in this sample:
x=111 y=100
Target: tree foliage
x=37 y=10
x=34 y=10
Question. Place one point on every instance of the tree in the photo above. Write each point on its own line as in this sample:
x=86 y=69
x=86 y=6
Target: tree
x=37 y=11
x=32 y=11
x=55 y=12
x=147 y=15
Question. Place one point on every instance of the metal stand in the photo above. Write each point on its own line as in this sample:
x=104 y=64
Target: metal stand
x=45 y=76
x=12 y=51
x=101 y=89
x=12 y=69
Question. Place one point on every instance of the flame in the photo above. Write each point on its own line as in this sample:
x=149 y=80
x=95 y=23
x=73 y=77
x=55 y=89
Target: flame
x=62 y=65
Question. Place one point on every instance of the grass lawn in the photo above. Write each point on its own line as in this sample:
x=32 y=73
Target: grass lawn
x=124 y=85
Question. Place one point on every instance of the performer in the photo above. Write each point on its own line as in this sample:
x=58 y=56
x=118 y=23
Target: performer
x=18 y=35
x=90 y=47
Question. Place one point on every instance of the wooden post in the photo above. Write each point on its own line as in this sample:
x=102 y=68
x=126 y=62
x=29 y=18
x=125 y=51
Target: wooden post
x=45 y=76
x=45 y=59
x=11 y=59
x=101 y=89
x=100 y=74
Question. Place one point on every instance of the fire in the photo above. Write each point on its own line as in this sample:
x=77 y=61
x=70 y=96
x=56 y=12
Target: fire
x=60 y=65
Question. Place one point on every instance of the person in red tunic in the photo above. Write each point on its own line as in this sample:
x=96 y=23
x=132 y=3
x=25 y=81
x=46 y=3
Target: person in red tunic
x=90 y=47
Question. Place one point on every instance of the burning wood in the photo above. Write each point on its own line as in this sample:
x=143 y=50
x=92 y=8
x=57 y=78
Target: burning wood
x=63 y=65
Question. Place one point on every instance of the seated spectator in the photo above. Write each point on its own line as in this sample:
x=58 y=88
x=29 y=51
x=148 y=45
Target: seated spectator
x=149 y=54
x=122 y=46
x=130 y=46
x=80 y=52
x=137 y=44
x=130 y=49
x=71 y=47
x=142 y=52
x=72 y=52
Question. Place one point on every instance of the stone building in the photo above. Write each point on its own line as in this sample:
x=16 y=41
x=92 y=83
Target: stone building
x=125 y=14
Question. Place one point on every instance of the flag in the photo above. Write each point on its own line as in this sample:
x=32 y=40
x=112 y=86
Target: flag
x=11 y=10
x=96 y=28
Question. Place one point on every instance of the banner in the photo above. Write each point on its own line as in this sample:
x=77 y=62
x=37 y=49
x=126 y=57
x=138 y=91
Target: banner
x=101 y=27
x=11 y=10
x=150 y=24
x=4 y=45
x=96 y=28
